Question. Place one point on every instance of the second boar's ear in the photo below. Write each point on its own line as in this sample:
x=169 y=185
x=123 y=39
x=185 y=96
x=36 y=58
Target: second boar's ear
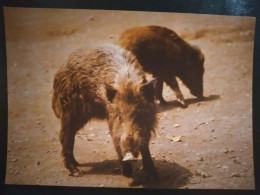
x=110 y=92
x=148 y=90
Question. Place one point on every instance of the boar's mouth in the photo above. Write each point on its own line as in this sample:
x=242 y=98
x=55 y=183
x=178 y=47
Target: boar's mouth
x=130 y=157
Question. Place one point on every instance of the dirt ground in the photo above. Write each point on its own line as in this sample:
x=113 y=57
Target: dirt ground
x=216 y=150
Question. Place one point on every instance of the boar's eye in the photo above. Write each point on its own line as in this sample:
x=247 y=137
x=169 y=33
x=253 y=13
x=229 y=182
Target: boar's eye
x=110 y=92
x=120 y=118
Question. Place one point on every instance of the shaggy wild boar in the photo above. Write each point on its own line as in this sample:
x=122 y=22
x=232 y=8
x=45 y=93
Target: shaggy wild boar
x=161 y=52
x=106 y=82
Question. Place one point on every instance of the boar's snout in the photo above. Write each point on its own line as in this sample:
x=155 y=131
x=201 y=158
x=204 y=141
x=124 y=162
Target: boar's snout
x=129 y=145
x=129 y=157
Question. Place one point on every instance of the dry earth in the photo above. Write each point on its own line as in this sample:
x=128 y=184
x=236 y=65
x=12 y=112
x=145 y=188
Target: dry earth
x=216 y=150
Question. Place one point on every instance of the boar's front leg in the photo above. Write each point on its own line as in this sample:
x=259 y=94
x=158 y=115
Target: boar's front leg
x=172 y=82
x=148 y=164
x=126 y=166
x=159 y=90
x=68 y=131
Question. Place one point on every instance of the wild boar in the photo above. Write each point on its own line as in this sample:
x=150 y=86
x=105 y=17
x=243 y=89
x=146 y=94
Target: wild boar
x=161 y=52
x=106 y=82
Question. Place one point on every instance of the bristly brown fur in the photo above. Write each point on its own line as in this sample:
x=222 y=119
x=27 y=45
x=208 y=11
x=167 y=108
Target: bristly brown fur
x=161 y=52
x=105 y=82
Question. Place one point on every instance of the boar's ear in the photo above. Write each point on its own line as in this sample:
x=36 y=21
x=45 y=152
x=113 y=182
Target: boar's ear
x=148 y=90
x=110 y=92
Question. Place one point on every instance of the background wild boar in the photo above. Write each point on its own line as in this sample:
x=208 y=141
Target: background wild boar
x=106 y=82
x=164 y=54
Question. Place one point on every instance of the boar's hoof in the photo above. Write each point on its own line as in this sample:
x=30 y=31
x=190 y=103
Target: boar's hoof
x=75 y=172
x=184 y=105
x=126 y=168
x=129 y=157
x=181 y=100
x=154 y=178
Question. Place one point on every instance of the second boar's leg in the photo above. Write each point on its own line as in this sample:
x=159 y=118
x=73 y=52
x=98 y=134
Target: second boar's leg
x=172 y=82
x=159 y=90
x=148 y=164
x=67 y=139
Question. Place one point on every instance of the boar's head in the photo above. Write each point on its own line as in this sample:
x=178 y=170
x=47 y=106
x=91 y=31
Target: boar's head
x=192 y=76
x=132 y=116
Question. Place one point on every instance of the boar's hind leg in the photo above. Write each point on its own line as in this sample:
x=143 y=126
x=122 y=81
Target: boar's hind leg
x=67 y=138
x=172 y=82
x=148 y=164
x=158 y=91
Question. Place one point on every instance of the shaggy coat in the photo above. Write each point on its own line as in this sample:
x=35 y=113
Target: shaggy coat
x=161 y=52
x=106 y=82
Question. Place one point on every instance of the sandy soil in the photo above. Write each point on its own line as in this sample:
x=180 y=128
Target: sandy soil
x=216 y=150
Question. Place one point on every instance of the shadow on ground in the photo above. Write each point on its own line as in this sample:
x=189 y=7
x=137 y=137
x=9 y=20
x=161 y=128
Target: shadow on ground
x=172 y=175
x=174 y=104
